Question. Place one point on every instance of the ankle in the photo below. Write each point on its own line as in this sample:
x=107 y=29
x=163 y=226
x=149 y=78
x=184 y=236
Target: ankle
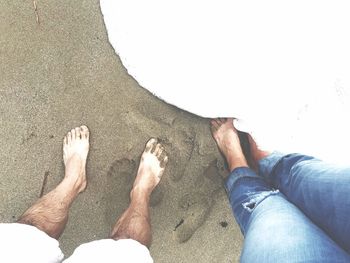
x=235 y=157
x=71 y=187
x=140 y=193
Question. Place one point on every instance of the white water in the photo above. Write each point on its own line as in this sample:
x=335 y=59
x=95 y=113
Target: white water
x=282 y=66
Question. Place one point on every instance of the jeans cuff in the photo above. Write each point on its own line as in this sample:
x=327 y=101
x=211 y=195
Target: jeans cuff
x=237 y=174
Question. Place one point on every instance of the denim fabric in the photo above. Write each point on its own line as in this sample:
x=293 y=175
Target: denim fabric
x=280 y=229
x=319 y=189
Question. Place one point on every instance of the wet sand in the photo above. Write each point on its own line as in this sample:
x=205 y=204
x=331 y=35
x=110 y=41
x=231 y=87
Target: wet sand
x=61 y=73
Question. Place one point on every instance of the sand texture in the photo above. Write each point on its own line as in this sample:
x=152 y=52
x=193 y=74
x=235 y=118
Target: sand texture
x=61 y=73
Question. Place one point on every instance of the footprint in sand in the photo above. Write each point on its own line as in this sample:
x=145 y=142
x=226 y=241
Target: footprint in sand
x=195 y=216
x=121 y=174
x=120 y=178
x=197 y=205
x=180 y=146
x=213 y=177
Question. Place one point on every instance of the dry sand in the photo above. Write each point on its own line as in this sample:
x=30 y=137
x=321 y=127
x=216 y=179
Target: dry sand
x=62 y=73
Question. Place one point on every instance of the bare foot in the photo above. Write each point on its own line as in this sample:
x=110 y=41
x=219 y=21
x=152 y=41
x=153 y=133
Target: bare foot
x=75 y=151
x=227 y=139
x=151 y=168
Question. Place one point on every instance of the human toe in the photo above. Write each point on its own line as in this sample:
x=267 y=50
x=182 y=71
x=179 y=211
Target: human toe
x=77 y=133
x=150 y=145
x=84 y=131
x=73 y=134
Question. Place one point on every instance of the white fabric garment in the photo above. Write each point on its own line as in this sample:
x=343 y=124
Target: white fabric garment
x=281 y=66
x=111 y=251
x=23 y=243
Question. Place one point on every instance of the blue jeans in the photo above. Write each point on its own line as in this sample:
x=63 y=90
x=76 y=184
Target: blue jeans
x=296 y=210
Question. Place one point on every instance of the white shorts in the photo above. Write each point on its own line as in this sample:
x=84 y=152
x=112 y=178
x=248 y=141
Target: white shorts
x=24 y=243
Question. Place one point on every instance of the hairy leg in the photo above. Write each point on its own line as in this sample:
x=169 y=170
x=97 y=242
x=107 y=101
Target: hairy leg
x=135 y=221
x=50 y=213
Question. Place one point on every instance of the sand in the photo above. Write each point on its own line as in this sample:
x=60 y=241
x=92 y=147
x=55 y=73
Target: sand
x=62 y=73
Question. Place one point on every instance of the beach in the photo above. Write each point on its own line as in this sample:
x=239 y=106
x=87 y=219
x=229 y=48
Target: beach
x=58 y=71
